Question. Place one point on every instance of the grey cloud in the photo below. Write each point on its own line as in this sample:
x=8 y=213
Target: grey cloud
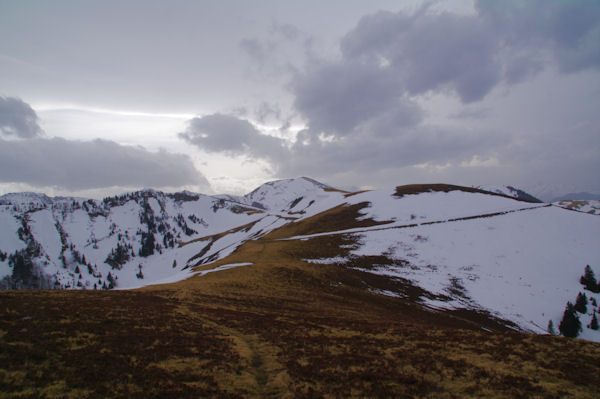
x=361 y=109
x=570 y=30
x=77 y=165
x=232 y=136
x=367 y=150
x=503 y=42
x=266 y=112
x=428 y=51
x=338 y=98
x=365 y=99
x=18 y=119
x=472 y=113
x=288 y=31
x=255 y=49
x=369 y=154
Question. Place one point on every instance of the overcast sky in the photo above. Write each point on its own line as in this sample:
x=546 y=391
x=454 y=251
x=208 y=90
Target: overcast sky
x=101 y=97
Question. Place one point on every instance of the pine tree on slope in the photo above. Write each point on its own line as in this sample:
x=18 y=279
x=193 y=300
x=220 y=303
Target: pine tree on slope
x=551 y=329
x=581 y=303
x=594 y=323
x=570 y=326
x=588 y=280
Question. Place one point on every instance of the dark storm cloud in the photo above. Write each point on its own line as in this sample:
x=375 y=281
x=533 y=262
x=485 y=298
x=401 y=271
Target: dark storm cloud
x=18 y=119
x=77 y=165
x=232 y=136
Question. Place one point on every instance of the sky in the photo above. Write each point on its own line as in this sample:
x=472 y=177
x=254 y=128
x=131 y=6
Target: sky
x=103 y=97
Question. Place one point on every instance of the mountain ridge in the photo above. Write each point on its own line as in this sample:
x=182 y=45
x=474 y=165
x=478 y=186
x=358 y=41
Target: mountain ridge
x=148 y=236
x=412 y=291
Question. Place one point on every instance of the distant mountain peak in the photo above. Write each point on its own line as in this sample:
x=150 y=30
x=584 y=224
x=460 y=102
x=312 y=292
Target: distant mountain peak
x=577 y=197
x=281 y=194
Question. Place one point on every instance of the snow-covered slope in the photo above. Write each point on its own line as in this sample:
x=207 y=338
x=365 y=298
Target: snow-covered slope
x=128 y=240
x=521 y=266
x=519 y=261
x=139 y=238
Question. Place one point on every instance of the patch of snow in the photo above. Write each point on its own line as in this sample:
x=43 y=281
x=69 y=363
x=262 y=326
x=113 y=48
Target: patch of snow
x=328 y=261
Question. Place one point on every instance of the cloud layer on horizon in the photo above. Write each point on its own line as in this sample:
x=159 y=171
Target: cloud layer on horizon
x=79 y=165
x=28 y=157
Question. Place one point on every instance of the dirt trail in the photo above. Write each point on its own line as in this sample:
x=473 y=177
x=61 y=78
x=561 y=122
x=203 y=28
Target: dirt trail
x=262 y=375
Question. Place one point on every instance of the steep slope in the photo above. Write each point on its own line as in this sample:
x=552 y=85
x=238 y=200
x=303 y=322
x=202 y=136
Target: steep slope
x=121 y=241
x=139 y=238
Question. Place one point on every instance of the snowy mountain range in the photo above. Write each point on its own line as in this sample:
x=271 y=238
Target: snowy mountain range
x=495 y=250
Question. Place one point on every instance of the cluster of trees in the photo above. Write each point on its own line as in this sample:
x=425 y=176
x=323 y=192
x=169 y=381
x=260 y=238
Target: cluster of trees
x=148 y=244
x=183 y=225
x=118 y=256
x=25 y=275
x=570 y=325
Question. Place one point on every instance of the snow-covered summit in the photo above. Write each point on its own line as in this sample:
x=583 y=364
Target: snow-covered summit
x=288 y=195
x=26 y=198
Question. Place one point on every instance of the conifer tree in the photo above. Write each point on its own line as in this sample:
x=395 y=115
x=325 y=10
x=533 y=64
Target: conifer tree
x=551 y=329
x=139 y=274
x=570 y=326
x=594 y=323
x=588 y=280
x=581 y=303
x=111 y=281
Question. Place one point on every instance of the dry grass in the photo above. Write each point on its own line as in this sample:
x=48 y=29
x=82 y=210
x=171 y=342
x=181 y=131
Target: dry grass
x=279 y=328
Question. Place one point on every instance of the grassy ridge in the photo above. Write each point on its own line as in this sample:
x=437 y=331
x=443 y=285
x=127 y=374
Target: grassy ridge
x=281 y=327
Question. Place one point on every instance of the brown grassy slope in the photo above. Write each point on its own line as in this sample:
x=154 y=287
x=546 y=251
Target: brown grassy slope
x=279 y=328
